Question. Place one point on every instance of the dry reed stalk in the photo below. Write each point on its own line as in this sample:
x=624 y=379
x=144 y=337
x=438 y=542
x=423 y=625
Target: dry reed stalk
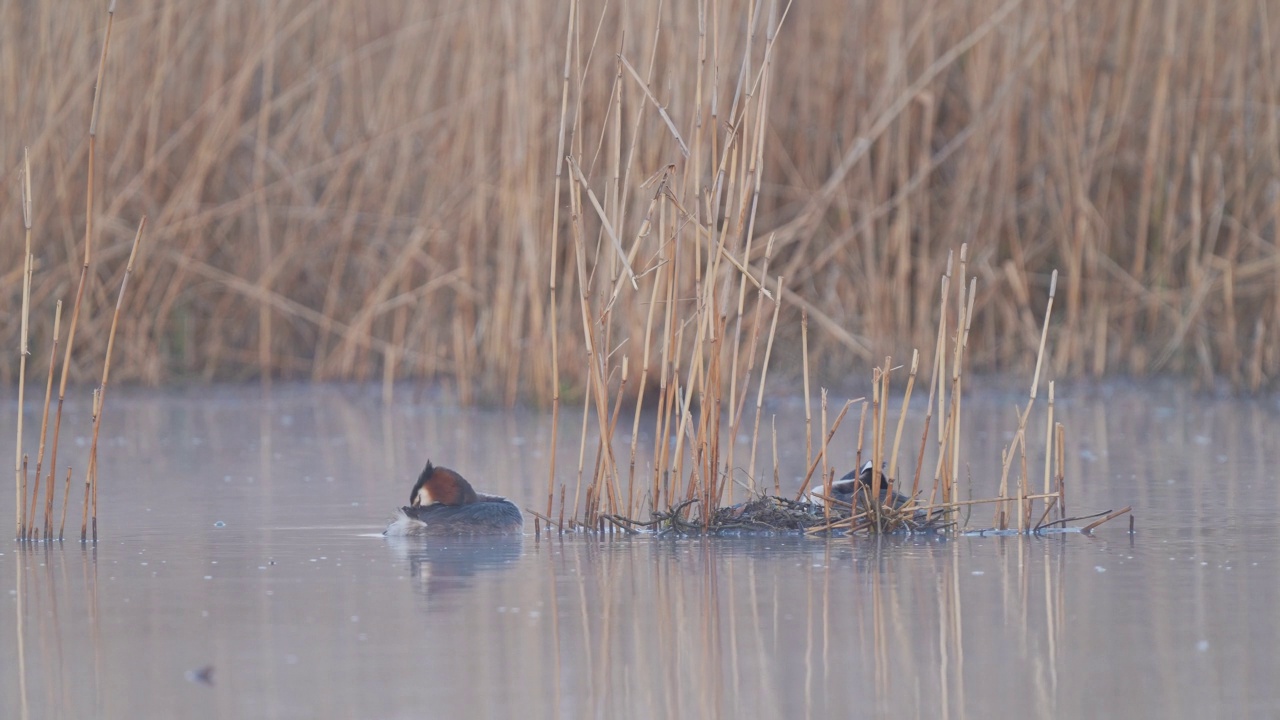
x=902 y=416
x=22 y=499
x=66 y=495
x=20 y=458
x=877 y=442
x=822 y=454
x=88 y=254
x=804 y=367
x=641 y=388
x=964 y=317
x=1060 y=433
x=44 y=420
x=84 y=511
x=938 y=382
x=764 y=372
x=984 y=501
x=738 y=400
x=106 y=375
x=1048 y=444
x=862 y=425
x=773 y=426
x=1020 y=440
x=813 y=464
x=554 y=233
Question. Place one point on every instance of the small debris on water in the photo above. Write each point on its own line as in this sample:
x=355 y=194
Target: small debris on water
x=219 y=524
x=202 y=675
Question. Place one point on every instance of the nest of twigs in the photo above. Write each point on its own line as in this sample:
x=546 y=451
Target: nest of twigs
x=773 y=514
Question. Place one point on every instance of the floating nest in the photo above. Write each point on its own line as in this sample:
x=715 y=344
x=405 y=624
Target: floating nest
x=773 y=514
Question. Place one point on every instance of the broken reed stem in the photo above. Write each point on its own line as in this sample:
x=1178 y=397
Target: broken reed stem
x=88 y=477
x=20 y=458
x=1110 y=516
x=66 y=494
x=106 y=371
x=1048 y=445
x=1060 y=433
x=84 y=515
x=22 y=499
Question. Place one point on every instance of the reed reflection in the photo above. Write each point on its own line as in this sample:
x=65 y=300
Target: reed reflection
x=56 y=660
x=801 y=628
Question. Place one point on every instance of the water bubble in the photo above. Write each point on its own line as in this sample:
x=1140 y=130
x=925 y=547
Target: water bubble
x=219 y=524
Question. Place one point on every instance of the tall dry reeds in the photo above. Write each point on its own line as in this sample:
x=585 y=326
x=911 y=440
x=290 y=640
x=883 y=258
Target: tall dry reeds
x=353 y=191
x=28 y=528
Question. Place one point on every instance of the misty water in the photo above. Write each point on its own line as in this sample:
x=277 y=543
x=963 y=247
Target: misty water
x=240 y=573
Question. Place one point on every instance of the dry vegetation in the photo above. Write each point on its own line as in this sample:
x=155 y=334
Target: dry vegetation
x=348 y=190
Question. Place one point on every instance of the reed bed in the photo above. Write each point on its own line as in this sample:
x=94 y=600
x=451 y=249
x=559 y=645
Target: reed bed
x=340 y=191
x=687 y=285
x=688 y=490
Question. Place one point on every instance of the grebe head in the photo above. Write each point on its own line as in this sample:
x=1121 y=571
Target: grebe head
x=441 y=485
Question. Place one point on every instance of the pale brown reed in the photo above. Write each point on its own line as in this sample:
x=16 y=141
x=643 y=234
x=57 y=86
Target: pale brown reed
x=20 y=458
x=100 y=395
x=690 y=252
x=391 y=203
x=84 y=268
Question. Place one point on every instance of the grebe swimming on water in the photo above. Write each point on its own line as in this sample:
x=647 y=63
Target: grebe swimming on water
x=443 y=503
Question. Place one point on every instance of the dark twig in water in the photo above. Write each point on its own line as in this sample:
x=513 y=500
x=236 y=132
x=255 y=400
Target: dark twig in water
x=1064 y=521
x=1110 y=516
x=621 y=523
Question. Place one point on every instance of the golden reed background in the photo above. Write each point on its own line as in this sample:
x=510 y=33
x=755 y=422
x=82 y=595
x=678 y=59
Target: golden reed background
x=352 y=190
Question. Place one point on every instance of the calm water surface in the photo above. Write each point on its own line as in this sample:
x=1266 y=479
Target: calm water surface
x=240 y=533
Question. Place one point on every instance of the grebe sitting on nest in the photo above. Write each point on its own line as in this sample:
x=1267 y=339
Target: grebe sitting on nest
x=443 y=503
x=847 y=487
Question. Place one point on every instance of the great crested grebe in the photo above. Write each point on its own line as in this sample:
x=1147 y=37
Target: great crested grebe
x=443 y=503
x=846 y=488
